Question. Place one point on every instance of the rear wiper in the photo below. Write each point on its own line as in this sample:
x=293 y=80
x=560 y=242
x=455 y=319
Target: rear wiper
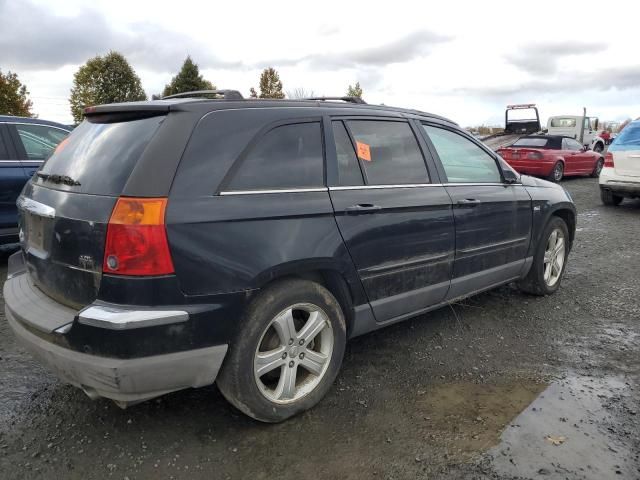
x=65 y=179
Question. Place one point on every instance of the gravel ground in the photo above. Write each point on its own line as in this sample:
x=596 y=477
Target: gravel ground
x=502 y=385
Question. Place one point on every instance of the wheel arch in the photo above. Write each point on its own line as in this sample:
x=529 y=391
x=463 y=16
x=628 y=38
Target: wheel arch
x=569 y=218
x=343 y=285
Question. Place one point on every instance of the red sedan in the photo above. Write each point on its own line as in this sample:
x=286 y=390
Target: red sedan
x=552 y=157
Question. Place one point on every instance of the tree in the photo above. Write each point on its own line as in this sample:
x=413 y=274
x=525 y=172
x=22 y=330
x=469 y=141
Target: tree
x=105 y=79
x=270 y=84
x=188 y=79
x=299 y=93
x=354 y=91
x=253 y=93
x=13 y=96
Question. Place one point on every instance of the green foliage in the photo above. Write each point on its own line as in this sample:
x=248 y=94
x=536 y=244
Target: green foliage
x=253 y=93
x=107 y=79
x=270 y=84
x=13 y=96
x=187 y=80
x=355 y=90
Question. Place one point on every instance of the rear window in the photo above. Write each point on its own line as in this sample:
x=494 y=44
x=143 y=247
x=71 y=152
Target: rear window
x=563 y=122
x=531 y=142
x=98 y=158
x=630 y=135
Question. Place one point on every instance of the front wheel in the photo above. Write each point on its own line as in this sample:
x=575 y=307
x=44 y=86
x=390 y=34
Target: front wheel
x=549 y=261
x=557 y=173
x=598 y=147
x=287 y=353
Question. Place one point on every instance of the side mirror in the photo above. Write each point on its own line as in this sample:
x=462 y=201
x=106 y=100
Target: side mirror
x=510 y=176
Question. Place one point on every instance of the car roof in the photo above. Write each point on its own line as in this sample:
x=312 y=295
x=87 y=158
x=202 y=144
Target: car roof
x=37 y=121
x=206 y=105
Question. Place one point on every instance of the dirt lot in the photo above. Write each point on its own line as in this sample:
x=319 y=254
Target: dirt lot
x=500 y=386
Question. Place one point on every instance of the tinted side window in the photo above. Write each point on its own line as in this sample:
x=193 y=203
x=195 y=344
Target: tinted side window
x=463 y=160
x=348 y=170
x=389 y=152
x=4 y=151
x=289 y=156
x=38 y=140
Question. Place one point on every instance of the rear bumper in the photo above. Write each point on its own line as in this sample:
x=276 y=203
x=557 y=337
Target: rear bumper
x=534 y=167
x=57 y=336
x=124 y=380
x=622 y=185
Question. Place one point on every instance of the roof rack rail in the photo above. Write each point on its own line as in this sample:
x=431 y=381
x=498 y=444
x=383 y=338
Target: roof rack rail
x=344 y=99
x=226 y=94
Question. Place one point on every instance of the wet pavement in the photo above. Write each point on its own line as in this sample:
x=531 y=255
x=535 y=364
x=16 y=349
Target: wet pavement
x=500 y=386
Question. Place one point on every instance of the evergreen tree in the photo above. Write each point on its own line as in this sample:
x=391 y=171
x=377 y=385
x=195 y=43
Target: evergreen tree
x=187 y=80
x=355 y=90
x=107 y=79
x=270 y=84
x=14 y=96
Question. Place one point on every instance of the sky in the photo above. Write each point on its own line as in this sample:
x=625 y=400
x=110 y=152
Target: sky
x=463 y=60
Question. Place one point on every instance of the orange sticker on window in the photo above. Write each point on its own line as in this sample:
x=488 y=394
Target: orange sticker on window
x=364 y=152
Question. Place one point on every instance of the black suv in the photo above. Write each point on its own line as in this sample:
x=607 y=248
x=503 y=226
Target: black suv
x=174 y=243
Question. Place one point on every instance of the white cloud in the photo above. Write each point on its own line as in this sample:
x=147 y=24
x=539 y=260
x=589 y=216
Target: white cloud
x=462 y=61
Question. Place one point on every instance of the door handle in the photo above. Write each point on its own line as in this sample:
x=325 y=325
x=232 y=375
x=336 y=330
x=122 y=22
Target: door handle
x=469 y=202
x=362 y=208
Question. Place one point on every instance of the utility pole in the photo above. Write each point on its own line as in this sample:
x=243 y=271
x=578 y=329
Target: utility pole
x=584 y=116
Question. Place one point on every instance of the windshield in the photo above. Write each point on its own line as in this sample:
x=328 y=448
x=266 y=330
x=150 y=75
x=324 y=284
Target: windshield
x=98 y=158
x=563 y=122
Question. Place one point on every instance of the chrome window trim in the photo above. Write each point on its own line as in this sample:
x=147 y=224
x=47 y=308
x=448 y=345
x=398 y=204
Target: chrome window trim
x=11 y=161
x=36 y=208
x=120 y=319
x=360 y=187
x=281 y=190
x=38 y=124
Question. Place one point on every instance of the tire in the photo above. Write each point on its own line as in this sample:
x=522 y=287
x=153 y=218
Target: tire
x=259 y=384
x=598 y=147
x=557 y=173
x=598 y=168
x=537 y=282
x=609 y=198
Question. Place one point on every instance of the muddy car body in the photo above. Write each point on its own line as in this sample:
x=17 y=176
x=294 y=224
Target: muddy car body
x=176 y=242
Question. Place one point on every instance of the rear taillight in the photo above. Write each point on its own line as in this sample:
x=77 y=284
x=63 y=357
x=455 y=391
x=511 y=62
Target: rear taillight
x=137 y=239
x=535 y=156
x=608 y=160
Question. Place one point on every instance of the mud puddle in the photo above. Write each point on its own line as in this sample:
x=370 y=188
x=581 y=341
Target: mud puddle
x=570 y=432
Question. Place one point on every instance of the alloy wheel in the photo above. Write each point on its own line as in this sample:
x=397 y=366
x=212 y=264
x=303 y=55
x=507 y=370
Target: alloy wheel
x=554 y=257
x=294 y=353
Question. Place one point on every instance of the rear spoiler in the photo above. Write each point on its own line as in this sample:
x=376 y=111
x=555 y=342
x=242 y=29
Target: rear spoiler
x=122 y=112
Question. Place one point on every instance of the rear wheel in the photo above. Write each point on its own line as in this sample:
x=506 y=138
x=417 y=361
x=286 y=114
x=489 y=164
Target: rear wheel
x=598 y=168
x=557 y=173
x=609 y=198
x=549 y=261
x=287 y=354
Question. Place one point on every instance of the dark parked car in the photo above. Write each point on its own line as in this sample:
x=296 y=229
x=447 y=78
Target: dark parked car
x=24 y=144
x=179 y=242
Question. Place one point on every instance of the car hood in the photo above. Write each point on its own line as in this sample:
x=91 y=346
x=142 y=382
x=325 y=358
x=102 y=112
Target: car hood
x=528 y=181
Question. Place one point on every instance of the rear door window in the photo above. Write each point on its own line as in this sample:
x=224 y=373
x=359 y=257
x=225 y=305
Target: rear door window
x=388 y=152
x=348 y=169
x=289 y=156
x=463 y=160
x=98 y=158
x=39 y=141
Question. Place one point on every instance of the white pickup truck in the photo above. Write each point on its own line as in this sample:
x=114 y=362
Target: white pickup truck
x=569 y=125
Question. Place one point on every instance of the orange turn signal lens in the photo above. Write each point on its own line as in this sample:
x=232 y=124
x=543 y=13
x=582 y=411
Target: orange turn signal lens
x=139 y=211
